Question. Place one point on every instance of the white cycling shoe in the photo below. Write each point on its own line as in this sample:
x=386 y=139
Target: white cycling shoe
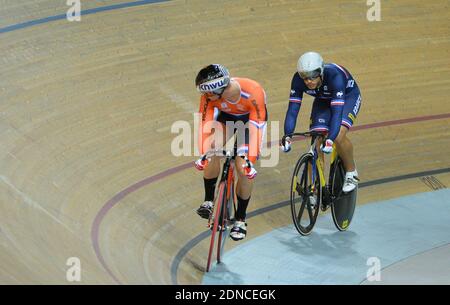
x=239 y=230
x=351 y=182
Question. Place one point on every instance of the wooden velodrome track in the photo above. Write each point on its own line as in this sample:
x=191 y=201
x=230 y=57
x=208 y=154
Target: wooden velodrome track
x=86 y=110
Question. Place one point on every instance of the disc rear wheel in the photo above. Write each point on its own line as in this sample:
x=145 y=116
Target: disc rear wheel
x=343 y=205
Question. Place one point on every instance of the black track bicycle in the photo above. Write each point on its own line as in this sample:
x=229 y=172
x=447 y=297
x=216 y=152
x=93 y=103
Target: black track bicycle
x=310 y=192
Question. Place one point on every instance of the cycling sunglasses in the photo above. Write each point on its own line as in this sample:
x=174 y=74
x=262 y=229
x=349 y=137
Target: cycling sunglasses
x=218 y=91
x=310 y=75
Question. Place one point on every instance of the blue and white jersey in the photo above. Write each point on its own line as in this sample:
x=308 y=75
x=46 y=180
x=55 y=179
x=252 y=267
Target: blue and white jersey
x=337 y=83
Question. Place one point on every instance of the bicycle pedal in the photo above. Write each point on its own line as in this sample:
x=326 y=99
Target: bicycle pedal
x=324 y=207
x=219 y=227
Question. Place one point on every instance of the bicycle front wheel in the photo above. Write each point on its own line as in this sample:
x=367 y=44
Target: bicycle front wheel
x=306 y=196
x=220 y=201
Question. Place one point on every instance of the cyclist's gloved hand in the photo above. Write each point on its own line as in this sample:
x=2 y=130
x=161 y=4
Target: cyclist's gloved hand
x=286 y=146
x=201 y=164
x=250 y=172
x=327 y=146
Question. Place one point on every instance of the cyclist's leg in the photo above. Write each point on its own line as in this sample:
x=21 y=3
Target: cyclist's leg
x=345 y=149
x=244 y=186
x=320 y=116
x=343 y=143
x=212 y=170
x=215 y=141
x=244 y=189
x=210 y=175
x=220 y=136
x=319 y=121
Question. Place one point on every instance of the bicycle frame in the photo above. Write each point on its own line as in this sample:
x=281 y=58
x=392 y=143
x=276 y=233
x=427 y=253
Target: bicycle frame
x=317 y=162
x=222 y=208
x=227 y=175
x=331 y=194
x=228 y=172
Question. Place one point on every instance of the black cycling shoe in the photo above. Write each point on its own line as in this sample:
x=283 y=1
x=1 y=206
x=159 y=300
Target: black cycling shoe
x=205 y=209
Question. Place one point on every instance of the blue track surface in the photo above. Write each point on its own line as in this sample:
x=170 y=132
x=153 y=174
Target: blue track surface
x=391 y=230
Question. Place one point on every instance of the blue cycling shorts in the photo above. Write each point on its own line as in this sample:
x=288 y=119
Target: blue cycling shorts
x=321 y=112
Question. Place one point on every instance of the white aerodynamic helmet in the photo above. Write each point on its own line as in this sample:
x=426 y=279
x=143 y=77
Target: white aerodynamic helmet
x=310 y=65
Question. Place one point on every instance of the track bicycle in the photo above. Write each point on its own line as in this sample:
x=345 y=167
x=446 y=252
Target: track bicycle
x=225 y=198
x=310 y=192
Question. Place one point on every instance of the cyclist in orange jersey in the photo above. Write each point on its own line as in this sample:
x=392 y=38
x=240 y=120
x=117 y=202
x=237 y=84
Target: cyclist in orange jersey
x=230 y=104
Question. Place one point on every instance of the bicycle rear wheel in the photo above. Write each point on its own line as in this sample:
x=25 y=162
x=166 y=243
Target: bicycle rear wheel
x=220 y=201
x=343 y=205
x=303 y=194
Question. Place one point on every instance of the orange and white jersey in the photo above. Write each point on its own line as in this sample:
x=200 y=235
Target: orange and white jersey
x=252 y=104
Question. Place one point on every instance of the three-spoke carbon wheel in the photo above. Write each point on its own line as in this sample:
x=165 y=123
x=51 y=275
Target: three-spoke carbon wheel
x=305 y=197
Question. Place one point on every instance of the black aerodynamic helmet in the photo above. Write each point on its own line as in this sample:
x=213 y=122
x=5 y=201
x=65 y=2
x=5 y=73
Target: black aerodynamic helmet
x=213 y=78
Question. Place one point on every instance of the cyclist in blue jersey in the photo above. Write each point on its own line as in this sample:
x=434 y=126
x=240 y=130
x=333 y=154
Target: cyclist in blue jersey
x=337 y=100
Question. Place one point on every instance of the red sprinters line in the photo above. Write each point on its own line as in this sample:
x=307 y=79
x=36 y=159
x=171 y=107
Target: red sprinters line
x=122 y=194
